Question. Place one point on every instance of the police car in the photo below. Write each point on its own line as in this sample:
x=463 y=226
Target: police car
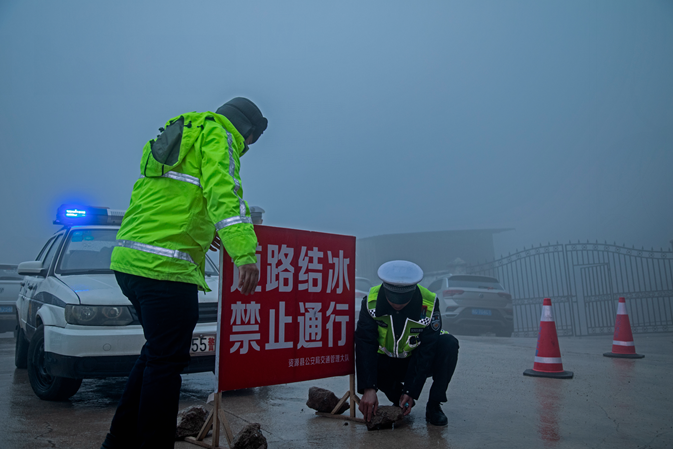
x=74 y=321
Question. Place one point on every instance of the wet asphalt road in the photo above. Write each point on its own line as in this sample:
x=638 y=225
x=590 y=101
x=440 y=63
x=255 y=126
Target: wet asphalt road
x=611 y=403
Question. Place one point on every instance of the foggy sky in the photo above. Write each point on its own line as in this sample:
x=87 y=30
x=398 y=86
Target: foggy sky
x=554 y=118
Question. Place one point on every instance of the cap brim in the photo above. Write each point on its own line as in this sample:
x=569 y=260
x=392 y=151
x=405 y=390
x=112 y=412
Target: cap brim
x=399 y=298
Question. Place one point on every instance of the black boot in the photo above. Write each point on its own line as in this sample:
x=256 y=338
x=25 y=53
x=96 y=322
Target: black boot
x=434 y=414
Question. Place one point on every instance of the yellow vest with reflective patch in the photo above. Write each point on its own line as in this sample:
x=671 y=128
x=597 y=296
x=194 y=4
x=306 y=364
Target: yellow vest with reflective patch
x=408 y=341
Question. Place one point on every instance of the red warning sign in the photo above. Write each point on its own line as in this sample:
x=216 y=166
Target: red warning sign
x=300 y=322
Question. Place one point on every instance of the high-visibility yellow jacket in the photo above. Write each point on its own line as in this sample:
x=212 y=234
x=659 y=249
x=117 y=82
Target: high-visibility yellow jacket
x=189 y=187
x=409 y=340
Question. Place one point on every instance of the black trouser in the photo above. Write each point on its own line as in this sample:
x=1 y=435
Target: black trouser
x=147 y=412
x=392 y=371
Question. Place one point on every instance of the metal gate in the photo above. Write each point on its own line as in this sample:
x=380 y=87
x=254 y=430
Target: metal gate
x=584 y=281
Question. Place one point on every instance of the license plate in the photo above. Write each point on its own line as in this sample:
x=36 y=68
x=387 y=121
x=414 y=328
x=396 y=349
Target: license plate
x=202 y=344
x=6 y=309
x=485 y=312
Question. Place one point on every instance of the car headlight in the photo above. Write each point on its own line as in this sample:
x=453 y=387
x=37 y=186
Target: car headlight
x=98 y=315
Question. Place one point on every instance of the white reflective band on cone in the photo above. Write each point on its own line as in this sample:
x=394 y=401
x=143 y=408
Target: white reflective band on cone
x=621 y=309
x=232 y=221
x=174 y=253
x=548 y=360
x=546 y=314
x=623 y=343
x=180 y=177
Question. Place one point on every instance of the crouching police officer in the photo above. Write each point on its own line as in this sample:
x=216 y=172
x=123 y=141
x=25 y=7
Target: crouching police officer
x=400 y=342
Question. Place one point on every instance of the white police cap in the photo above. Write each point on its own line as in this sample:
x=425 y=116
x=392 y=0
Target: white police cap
x=399 y=280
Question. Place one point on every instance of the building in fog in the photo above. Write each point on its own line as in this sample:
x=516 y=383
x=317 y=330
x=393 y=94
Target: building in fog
x=437 y=253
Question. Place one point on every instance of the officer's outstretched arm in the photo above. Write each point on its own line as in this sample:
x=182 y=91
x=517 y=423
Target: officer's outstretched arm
x=223 y=191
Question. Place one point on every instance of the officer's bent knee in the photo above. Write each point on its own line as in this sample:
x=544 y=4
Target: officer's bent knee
x=449 y=342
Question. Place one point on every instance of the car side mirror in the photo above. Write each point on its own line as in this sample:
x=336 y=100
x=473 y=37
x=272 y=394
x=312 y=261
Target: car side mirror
x=32 y=268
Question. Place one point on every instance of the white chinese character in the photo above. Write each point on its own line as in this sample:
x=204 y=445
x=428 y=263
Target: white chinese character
x=343 y=319
x=282 y=321
x=290 y=363
x=279 y=276
x=314 y=283
x=244 y=318
x=234 y=277
x=339 y=273
x=310 y=325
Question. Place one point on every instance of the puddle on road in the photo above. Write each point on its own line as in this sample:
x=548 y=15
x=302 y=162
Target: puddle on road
x=549 y=393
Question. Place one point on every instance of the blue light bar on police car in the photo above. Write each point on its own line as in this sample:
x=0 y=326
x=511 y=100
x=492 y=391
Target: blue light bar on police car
x=74 y=214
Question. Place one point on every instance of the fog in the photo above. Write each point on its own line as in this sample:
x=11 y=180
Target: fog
x=552 y=118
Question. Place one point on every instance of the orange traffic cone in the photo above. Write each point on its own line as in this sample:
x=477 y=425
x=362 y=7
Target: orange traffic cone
x=548 y=355
x=622 y=342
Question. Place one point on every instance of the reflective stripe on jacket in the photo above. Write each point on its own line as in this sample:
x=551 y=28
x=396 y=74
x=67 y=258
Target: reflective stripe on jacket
x=408 y=340
x=189 y=188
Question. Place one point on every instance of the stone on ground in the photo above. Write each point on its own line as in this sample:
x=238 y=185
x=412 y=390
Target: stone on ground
x=385 y=417
x=324 y=401
x=250 y=438
x=190 y=421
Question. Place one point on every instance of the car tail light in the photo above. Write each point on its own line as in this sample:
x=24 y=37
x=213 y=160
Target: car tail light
x=505 y=295
x=449 y=293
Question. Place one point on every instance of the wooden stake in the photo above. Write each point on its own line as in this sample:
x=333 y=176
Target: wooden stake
x=227 y=429
x=215 y=417
x=216 y=420
x=354 y=399
x=340 y=403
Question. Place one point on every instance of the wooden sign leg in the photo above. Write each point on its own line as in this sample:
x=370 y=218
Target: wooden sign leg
x=227 y=429
x=354 y=401
x=213 y=421
x=216 y=420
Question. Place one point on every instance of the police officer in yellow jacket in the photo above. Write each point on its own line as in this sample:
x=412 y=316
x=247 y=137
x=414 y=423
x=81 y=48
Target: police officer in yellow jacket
x=399 y=343
x=188 y=197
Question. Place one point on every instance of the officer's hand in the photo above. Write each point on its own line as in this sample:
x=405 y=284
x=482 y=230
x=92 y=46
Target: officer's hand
x=216 y=244
x=406 y=402
x=369 y=403
x=248 y=275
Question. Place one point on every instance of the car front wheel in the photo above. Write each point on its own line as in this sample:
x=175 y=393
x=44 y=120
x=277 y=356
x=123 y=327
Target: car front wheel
x=46 y=386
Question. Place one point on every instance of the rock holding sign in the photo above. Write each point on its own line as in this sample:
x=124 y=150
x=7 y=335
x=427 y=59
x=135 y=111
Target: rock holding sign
x=250 y=437
x=190 y=421
x=324 y=401
x=386 y=416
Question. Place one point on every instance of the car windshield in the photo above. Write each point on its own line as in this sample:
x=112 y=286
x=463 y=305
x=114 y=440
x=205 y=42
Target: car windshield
x=474 y=282
x=87 y=251
x=8 y=273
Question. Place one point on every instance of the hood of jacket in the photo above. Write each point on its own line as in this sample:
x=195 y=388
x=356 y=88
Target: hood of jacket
x=177 y=139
